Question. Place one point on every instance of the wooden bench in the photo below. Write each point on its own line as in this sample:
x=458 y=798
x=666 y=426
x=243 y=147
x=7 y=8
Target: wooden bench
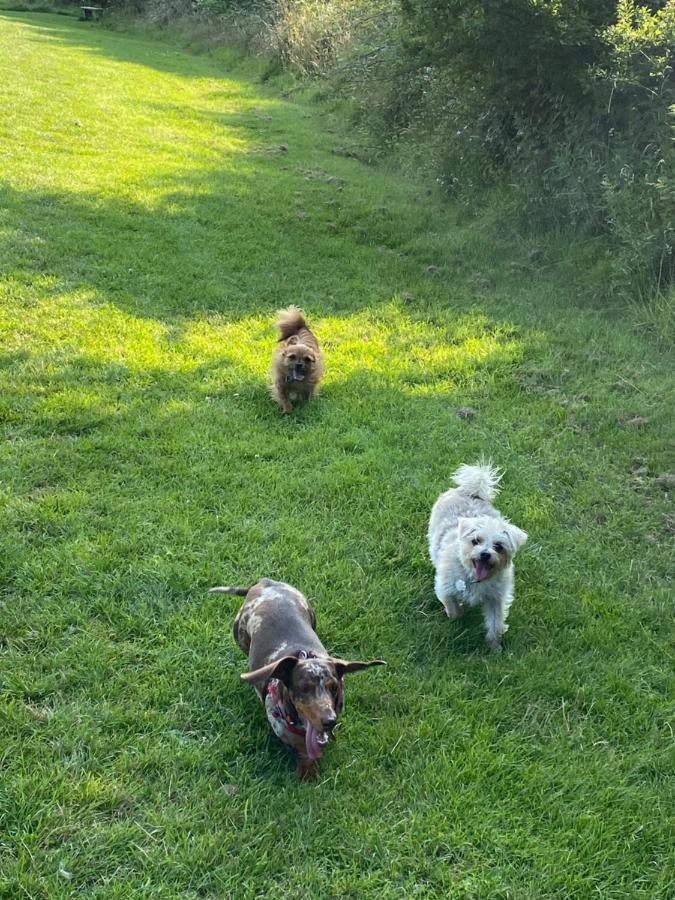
x=91 y=13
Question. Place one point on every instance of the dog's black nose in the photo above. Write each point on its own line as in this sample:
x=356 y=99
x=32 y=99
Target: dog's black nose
x=329 y=722
x=485 y=556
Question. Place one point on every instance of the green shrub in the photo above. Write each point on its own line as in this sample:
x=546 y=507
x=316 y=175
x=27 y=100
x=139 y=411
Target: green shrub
x=521 y=55
x=639 y=178
x=570 y=104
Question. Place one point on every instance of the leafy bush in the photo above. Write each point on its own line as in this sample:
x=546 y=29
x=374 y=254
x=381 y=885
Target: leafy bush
x=521 y=54
x=639 y=178
x=569 y=103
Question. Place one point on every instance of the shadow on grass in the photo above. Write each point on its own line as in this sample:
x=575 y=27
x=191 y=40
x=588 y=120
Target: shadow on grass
x=46 y=27
x=207 y=245
x=222 y=219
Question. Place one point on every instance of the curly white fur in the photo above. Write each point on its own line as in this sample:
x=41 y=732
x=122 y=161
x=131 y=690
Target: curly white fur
x=481 y=481
x=472 y=547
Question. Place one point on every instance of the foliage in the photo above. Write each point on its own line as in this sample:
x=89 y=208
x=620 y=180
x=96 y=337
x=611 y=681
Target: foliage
x=520 y=55
x=639 y=186
x=571 y=104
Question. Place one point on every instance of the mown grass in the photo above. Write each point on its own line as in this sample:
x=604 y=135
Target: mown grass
x=150 y=224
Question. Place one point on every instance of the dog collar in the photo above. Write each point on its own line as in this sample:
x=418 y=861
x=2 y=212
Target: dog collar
x=279 y=711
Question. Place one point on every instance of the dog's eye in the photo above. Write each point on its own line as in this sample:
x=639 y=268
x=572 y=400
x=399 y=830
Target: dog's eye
x=476 y=541
x=308 y=359
x=291 y=356
x=499 y=547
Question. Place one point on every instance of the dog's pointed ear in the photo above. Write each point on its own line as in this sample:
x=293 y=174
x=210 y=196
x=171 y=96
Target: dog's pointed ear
x=280 y=668
x=342 y=666
x=516 y=536
x=465 y=526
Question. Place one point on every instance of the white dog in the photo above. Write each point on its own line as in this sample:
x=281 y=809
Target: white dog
x=472 y=548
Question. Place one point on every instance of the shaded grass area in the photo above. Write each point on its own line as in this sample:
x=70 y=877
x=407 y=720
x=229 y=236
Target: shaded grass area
x=64 y=8
x=154 y=211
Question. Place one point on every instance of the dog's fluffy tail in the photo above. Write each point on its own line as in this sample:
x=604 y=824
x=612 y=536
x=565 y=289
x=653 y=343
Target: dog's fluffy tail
x=480 y=481
x=236 y=591
x=290 y=321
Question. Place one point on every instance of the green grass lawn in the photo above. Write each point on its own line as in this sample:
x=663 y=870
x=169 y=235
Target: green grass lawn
x=155 y=210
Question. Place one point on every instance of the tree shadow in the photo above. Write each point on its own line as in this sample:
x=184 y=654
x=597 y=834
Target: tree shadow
x=228 y=221
x=138 y=51
x=216 y=241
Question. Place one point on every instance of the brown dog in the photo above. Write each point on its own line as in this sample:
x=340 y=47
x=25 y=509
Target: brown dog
x=297 y=363
x=299 y=683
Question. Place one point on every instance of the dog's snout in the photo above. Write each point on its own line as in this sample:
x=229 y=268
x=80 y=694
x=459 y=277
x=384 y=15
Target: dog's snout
x=486 y=556
x=329 y=722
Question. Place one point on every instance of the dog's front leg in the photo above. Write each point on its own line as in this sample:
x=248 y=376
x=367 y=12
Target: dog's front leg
x=452 y=608
x=284 y=402
x=307 y=769
x=494 y=614
x=279 y=393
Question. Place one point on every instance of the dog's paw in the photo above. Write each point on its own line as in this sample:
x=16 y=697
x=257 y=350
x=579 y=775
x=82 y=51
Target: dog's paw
x=495 y=646
x=307 y=770
x=453 y=610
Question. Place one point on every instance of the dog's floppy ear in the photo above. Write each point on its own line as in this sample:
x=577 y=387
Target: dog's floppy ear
x=342 y=666
x=466 y=526
x=516 y=536
x=281 y=669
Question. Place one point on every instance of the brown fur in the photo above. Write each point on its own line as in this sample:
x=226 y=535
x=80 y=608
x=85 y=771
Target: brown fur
x=297 y=362
x=275 y=628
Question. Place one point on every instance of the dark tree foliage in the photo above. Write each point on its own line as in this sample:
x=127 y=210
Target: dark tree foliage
x=523 y=53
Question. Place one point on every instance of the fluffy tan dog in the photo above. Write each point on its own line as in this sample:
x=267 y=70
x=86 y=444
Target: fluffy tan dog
x=297 y=363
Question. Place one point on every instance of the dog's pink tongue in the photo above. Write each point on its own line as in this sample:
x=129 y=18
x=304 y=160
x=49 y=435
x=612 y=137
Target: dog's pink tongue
x=482 y=570
x=315 y=741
